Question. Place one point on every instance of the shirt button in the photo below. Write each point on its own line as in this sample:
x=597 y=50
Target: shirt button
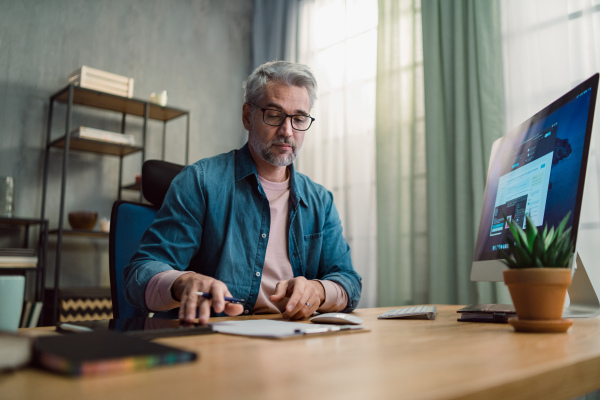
x=246 y=311
x=257 y=273
x=264 y=235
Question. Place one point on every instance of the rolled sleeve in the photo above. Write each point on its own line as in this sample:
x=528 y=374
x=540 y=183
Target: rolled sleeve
x=158 y=291
x=336 y=298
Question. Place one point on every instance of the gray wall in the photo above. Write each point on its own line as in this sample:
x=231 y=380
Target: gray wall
x=197 y=50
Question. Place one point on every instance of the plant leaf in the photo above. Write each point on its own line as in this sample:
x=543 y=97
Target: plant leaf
x=550 y=256
x=549 y=238
x=563 y=223
x=538 y=247
x=531 y=231
x=539 y=263
x=523 y=257
x=517 y=233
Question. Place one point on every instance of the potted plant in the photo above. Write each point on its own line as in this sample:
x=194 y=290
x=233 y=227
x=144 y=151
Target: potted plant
x=539 y=274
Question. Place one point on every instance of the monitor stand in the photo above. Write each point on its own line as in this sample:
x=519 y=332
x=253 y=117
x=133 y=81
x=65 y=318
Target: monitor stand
x=582 y=296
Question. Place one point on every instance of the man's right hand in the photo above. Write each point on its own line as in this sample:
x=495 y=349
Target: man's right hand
x=184 y=290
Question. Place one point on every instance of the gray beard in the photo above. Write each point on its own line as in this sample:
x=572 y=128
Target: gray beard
x=266 y=154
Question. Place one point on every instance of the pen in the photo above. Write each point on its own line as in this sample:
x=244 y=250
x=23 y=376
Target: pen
x=229 y=299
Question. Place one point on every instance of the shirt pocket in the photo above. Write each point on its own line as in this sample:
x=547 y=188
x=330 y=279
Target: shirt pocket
x=313 y=245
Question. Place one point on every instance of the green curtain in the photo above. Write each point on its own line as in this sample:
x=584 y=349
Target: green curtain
x=464 y=114
x=402 y=273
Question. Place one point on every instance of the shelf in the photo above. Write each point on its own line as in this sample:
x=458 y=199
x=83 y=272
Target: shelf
x=79 y=232
x=18 y=258
x=16 y=266
x=20 y=221
x=96 y=146
x=74 y=96
x=107 y=101
x=133 y=186
x=25 y=259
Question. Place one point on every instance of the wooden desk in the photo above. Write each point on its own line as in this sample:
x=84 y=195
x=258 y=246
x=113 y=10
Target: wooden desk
x=441 y=359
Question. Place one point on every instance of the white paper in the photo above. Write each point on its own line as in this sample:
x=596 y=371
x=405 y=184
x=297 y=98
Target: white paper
x=276 y=329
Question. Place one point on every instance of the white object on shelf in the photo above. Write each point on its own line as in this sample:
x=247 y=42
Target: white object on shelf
x=105 y=225
x=96 y=79
x=160 y=98
x=18 y=261
x=85 y=132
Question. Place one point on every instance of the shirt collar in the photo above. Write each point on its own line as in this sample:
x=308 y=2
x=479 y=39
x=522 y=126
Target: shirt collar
x=244 y=167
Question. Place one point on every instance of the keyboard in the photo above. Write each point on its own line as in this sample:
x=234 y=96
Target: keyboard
x=416 y=312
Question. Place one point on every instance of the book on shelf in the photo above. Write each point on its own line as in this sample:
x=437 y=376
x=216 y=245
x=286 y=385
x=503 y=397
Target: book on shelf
x=17 y=257
x=30 y=314
x=34 y=316
x=18 y=251
x=85 y=132
x=25 y=313
x=96 y=79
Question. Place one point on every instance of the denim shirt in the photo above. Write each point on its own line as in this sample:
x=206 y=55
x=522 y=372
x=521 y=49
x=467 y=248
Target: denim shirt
x=215 y=220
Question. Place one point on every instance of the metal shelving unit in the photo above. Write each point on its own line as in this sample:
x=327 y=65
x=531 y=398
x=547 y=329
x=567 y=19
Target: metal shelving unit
x=77 y=96
x=40 y=269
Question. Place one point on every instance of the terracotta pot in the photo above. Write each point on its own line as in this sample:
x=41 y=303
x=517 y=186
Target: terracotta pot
x=538 y=293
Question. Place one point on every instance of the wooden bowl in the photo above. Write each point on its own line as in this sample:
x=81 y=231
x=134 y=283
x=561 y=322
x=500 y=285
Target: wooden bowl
x=84 y=220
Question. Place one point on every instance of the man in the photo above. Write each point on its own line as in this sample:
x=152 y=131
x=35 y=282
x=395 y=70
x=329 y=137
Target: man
x=245 y=224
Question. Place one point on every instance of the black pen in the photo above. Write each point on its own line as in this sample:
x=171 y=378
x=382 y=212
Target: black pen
x=229 y=299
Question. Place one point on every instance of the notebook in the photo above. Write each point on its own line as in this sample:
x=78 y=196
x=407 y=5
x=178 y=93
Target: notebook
x=98 y=353
x=497 y=313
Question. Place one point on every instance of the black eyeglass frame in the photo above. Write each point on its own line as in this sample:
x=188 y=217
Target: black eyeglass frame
x=312 y=119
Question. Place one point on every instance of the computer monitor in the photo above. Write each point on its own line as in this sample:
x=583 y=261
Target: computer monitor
x=538 y=169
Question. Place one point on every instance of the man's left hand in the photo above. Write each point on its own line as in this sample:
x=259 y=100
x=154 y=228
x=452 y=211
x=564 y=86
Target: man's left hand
x=305 y=297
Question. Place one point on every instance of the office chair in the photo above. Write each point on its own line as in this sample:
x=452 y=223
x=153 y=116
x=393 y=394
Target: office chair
x=128 y=222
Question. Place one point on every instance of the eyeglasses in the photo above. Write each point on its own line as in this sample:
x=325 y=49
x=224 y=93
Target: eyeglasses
x=277 y=118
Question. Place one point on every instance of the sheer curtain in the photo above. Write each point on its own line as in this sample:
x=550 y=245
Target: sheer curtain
x=338 y=40
x=550 y=46
x=403 y=269
x=464 y=115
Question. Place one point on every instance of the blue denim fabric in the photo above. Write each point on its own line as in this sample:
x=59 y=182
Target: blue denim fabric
x=215 y=220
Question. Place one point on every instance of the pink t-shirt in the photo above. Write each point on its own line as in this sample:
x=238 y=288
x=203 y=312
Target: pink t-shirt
x=277 y=265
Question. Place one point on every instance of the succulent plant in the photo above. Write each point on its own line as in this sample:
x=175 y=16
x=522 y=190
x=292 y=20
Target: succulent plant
x=532 y=248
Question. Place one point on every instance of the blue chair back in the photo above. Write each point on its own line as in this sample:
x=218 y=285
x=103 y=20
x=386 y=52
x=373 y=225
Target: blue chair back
x=128 y=222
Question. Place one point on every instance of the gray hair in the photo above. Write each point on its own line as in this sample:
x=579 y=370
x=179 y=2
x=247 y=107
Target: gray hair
x=290 y=74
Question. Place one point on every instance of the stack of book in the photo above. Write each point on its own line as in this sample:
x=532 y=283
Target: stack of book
x=102 y=81
x=84 y=132
x=30 y=316
x=18 y=258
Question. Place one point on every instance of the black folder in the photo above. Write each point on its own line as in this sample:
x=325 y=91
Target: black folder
x=496 y=313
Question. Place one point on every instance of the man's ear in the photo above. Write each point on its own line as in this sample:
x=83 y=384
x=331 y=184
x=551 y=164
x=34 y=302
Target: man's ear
x=247 y=116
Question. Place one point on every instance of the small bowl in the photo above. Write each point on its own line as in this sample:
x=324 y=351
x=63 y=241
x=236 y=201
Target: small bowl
x=84 y=220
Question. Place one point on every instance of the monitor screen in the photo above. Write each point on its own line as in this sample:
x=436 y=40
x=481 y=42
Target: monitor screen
x=537 y=169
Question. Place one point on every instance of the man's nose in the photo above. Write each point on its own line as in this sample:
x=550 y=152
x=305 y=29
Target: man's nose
x=286 y=128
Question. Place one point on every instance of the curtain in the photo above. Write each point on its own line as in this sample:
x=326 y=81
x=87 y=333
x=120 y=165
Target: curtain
x=338 y=40
x=550 y=46
x=275 y=31
x=403 y=270
x=464 y=114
